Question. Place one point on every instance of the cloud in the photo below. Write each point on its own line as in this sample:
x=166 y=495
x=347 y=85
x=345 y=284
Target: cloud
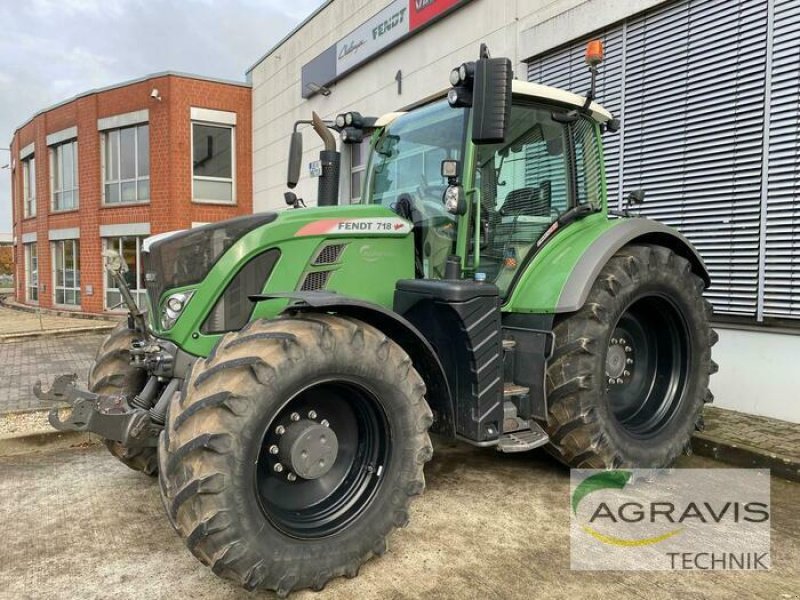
x=51 y=50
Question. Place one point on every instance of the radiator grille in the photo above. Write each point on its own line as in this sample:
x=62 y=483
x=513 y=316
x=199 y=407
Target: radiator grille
x=315 y=281
x=329 y=254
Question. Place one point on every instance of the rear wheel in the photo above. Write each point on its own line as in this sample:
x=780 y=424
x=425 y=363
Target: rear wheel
x=630 y=370
x=112 y=373
x=294 y=450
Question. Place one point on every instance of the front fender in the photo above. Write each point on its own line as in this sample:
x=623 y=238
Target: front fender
x=394 y=326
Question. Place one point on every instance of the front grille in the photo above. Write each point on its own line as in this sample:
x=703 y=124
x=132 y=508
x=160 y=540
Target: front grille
x=315 y=281
x=329 y=254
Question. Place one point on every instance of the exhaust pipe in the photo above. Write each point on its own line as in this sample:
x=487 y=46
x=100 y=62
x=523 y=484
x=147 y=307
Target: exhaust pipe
x=330 y=161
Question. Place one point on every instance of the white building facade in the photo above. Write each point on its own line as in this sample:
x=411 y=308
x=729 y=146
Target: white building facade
x=708 y=93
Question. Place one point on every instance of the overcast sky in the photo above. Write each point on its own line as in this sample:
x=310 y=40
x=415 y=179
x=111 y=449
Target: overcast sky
x=51 y=50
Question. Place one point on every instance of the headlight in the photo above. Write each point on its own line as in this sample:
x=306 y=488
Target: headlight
x=454 y=200
x=173 y=308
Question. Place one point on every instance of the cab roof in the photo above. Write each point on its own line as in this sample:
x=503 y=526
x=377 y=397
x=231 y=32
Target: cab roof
x=552 y=94
x=537 y=91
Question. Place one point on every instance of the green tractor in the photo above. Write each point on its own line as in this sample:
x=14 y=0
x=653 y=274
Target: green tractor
x=286 y=377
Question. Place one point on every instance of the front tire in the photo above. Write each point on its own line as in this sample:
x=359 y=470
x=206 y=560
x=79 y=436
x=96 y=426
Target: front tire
x=112 y=373
x=629 y=374
x=294 y=450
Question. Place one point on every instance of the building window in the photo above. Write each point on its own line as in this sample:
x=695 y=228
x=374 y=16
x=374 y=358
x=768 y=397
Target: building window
x=29 y=187
x=67 y=272
x=64 y=176
x=212 y=163
x=358 y=164
x=130 y=249
x=31 y=273
x=126 y=165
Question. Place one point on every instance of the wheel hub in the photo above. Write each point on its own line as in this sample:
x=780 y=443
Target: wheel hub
x=619 y=361
x=308 y=448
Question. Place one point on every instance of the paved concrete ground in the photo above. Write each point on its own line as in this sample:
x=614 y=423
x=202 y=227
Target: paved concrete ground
x=15 y=323
x=43 y=357
x=77 y=524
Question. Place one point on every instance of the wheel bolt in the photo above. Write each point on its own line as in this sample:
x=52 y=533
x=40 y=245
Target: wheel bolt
x=626 y=373
x=295 y=417
x=280 y=430
x=628 y=349
x=312 y=414
x=273 y=449
x=619 y=380
x=325 y=423
x=629 y=361
x=611 y=380
x=278 y=468
x=613 y=341
x=622 y=341
x=291 y=477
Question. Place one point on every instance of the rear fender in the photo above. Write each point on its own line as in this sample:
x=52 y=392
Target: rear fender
x=629 y=231
x=559 y=276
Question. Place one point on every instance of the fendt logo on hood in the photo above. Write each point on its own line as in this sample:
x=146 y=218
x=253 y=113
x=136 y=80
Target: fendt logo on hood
x=666 y=519
x=357 y=226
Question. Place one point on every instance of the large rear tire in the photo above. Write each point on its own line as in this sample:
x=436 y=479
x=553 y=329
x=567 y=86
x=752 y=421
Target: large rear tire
x=294 y=450
x=629 y=374
x=112 y=373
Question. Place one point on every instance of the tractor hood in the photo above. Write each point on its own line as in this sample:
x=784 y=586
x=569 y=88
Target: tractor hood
x=180 y=258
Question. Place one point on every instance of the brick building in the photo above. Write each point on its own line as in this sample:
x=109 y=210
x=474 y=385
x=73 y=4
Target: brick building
x=112 y=166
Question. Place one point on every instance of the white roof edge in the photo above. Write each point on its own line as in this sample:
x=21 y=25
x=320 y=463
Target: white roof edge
x=535 y=90
x=386 y=119
x=546 y=92
x=157 y=237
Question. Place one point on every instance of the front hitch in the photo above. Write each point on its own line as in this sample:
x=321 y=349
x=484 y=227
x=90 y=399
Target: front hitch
x=108 y=416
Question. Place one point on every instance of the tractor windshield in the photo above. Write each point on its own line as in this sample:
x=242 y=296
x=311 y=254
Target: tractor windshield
x=404 y=174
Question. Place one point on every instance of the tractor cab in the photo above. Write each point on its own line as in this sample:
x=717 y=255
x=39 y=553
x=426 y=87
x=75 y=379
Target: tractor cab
x=504 y=196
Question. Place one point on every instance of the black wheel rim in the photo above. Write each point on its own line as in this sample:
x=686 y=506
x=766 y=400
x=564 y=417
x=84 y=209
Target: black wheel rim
x=312 y=505
x=647 y=366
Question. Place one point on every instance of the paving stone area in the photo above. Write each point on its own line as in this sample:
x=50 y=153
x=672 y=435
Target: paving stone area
x=18 y=322
x=45 y=357
x=770 y=435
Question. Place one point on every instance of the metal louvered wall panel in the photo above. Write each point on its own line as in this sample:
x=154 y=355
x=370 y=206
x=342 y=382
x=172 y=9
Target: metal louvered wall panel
x=688 y=82
x=565 y=69
x=782 y=239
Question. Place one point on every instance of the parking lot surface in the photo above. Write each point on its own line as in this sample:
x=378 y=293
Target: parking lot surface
x=44 y=357
x=77 y=524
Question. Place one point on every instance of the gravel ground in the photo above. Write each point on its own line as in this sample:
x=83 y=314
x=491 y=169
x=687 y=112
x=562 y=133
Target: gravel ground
x=77 y=524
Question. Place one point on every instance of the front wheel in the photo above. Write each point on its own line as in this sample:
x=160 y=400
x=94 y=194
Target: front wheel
x=294 y=450
x=630 y=370
x=112 y=373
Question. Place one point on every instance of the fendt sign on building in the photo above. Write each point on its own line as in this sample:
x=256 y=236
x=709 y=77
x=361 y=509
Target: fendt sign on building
x=397 y=21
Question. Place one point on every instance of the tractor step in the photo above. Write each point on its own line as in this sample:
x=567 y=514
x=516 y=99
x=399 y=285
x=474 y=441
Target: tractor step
x=520 y=441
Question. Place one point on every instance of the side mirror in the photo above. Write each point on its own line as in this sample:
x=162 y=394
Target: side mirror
x=295 y=159
x=491 y=100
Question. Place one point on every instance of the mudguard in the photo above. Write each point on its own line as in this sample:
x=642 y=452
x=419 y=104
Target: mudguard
x=425 y=359
x=628 y=231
